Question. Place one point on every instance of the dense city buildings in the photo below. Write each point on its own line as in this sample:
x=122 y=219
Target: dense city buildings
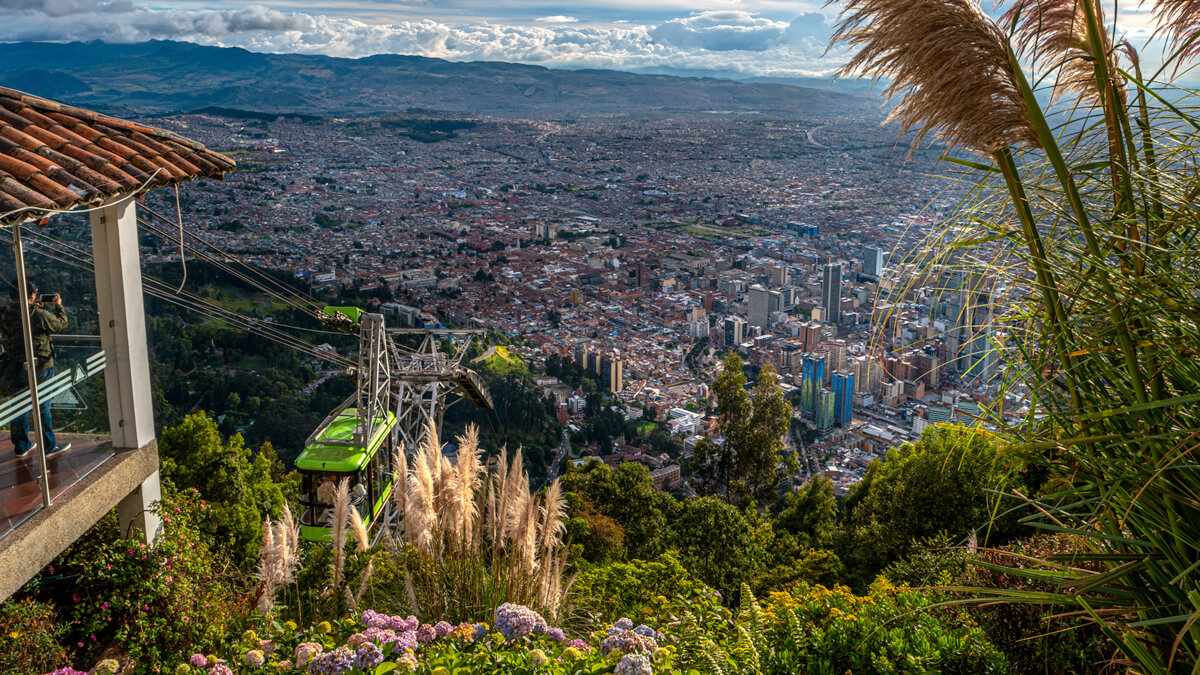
x=640 y=247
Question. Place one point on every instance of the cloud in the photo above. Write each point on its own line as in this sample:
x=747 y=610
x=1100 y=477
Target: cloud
x=725 y=42
x=65 y=7
x=721 y=31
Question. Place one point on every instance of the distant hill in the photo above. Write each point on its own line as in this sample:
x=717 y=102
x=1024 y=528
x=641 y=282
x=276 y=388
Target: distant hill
x=165 y=76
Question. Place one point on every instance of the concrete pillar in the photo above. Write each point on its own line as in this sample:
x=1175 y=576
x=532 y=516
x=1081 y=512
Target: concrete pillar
x=134 y=514
x=123 y=337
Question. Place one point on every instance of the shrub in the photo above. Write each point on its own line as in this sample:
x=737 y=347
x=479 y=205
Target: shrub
x=656 y=588
x=832 y=631
x=155 y=602
x=29 y=636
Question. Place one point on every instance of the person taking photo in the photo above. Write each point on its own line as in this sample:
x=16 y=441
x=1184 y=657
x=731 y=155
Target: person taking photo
x=46 y=316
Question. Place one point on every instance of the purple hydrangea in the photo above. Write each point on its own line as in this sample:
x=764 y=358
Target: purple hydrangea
x=517 y=621
x=624 y=623
x=400 y=624
x=368 y=656
x=337 y=661
x=481 y=631
x=67 y=670
x=373 y=619
x=267 y=647
x=555 y=634
x=443 y=629
x=199 y=660
x=580 y=645
x=645 y=631
x=634 y=664
x=628 y=642
x=405 y=640
x=305 y=651
x=426 y=634
x=220 y=669
x=379 y=636
x=357 y=639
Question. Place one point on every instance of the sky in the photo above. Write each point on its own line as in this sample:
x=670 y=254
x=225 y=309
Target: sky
x=731 y=38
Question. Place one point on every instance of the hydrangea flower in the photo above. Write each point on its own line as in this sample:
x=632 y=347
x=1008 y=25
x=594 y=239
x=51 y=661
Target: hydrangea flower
x=357 y=639
x=627 y=641
x=107 y=667
x=580 y=645
x=199 y=661
x=406 y=640
x=555 y=634
x=481 y=631
x=324 y=627
x=220 y=669
x=572 y=654
x=305 y=651
x=337 y=661
x=517 y=621
x=379 y=636
x=181 y=669
x=634 y=664
x=267 y=646
x=67 y=670
x=400 y=625
x=368 y=656
x=408 y=662
x=645 y=631
x=254 y=658
x=284 y=666
x=442 y=629
x=537 y=658
x=426 y=633
x=624 y=623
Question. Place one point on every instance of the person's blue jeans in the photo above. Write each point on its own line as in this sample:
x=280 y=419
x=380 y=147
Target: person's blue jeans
x=20 y=426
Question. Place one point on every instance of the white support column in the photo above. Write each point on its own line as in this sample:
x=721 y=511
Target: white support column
x=123 y=337
x=134 y=514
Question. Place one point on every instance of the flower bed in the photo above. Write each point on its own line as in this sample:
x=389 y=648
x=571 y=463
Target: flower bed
x=519 y=641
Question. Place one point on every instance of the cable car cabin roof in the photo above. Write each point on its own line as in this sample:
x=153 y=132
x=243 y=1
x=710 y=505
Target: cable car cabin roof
x=320 y=456
x=56 y=157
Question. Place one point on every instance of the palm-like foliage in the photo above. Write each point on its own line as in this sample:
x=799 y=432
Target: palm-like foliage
x=1085 y=215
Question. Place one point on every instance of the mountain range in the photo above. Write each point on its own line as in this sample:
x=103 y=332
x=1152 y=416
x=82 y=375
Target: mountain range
x=168 y=76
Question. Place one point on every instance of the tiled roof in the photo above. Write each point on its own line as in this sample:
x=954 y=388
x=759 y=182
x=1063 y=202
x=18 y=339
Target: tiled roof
x=57 y=157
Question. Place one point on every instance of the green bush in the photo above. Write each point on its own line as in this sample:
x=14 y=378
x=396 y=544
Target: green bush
x=154 y=602
x=29 y=637
x=821 y=631
x=641 y=590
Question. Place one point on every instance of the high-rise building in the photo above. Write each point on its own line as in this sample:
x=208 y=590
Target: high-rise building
x=779 y=275
x=812 y=378
x=843 y=397
x=825 y=406
x=735 y=331
x=872 y=261
x=758 y=310
x=612 y=370
x=831 y=292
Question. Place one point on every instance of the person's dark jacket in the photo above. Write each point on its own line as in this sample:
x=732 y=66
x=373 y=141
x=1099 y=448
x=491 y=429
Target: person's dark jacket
x=44 y=320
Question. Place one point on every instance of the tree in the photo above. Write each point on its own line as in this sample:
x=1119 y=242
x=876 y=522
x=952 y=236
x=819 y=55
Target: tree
x=948 y=481
x=748 y=463
x=627 y=496
x=236 y=484
x=810 y=514
x=717 y=544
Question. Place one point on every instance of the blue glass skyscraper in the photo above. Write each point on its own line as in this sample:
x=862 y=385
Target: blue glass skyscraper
x=843 y=397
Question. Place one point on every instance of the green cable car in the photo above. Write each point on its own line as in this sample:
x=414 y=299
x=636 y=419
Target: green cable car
x=332 y=455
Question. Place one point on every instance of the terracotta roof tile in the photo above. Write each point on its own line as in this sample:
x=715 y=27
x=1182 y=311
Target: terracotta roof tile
x=58 y=157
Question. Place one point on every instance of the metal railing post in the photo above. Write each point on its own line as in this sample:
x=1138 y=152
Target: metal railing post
x=35 y=411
